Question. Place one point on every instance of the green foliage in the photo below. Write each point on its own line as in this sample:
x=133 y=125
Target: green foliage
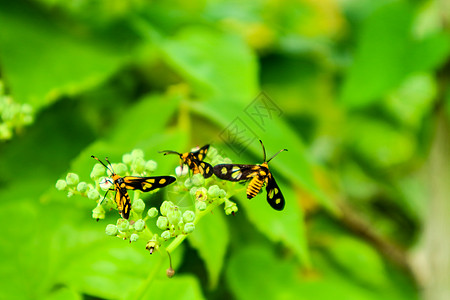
x=355 y=90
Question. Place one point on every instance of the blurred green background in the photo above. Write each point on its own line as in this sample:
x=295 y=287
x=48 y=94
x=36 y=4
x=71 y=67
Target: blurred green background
x=360 y=96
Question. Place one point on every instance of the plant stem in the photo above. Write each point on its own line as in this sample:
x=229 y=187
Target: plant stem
x=149 y=280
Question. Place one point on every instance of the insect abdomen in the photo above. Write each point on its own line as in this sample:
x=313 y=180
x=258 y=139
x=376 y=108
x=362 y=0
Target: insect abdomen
x=254 y=187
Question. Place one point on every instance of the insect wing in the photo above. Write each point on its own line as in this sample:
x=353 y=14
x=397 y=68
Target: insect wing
x=234 y=172
x=200 y=154
x=274 y=195
x=205 y=169
x=147 y=184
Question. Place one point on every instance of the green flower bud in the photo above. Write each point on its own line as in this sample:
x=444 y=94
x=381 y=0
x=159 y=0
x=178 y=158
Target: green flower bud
x=165 y=235
x=193 y=190
x=139 y=225
x=127 y=158
x=72 y=179
x=201 y=205
x=152 y=212
x=201 y=194
x=162 y=222
x=137 y=153
x=188 y=227
x=69 y=194
x=198 y=179
x=98 y=212
x=82 y=187
x=123 y=225
x=26 y=109
x=230 y=207
x=222 y=193
x=61 y=184
x=97 y=171
x=213 y=191
x=5 y=132
x=134 y=237
x=165 y=207
x=188 y=216
x=188 y=183
x=138 y=165
x=93 y=194
x=174 y=215
x=138 y=205
x=120 y=169
x=151 y=166
x=111 y=229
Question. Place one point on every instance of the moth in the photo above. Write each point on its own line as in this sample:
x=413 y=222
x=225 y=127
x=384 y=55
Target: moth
x=257 y=175
x=194 y=160
x=123 y=184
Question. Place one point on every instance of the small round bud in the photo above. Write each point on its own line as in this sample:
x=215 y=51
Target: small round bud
x=165 y=235
x=123 y=225
x=213 y=191
x=188 y=183
x=26 y=109
x=5 y=132
x=121 y=169
x=201 y=205
x=69 y=194
x=139 y=165
x=127 y=158
x=98 y=212
x=201 y=194
x=61 y=184
x=72 y=179
x=152 y=212
x=189 y=227
x=93 y=194
x=111 y=229
x=139 y=225
x=230 y=207
x=97 y=171
x=151 y=165
x=198 y=179
x=162 y=222
x=181 y=171
x=170 y=272
x=134 y=237
x=138 y=205
x=165 y=207
x=174 y=215
x=82 y=187
x=188 y=216
x=193 y=190
x=137 y=153
x=222 y=193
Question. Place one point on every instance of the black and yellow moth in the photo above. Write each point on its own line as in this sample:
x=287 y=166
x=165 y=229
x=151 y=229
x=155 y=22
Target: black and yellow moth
x=123 y=184
x=258 y=175
x=194 y=160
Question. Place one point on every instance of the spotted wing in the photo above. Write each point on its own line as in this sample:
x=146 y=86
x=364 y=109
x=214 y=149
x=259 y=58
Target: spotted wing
x=147 y=184
x=274 y=195
x=123 y=202
x=235 y=172
x=200 y=154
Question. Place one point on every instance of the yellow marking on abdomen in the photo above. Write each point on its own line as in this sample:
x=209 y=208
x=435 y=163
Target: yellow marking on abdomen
x=254 y=187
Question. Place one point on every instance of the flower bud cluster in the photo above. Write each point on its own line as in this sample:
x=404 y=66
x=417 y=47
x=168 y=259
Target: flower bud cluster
x=13 y=116
x=173 y=221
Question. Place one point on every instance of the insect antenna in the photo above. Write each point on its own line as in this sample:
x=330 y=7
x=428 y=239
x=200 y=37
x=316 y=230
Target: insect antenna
x=110 y=169
x=277 y=154
x=169 y=152
x=264 y=150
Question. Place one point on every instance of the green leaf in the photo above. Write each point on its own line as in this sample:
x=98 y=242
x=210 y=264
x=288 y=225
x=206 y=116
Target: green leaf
x=284 y=226
x=181 y=287
x=211 y=238
x=42 y=60
x=216 y=63
x=381 y=59
x=64 y=293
